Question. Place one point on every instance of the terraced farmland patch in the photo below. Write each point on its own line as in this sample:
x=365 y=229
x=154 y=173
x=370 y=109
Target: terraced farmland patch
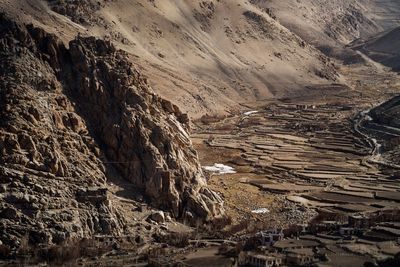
x=309 y=155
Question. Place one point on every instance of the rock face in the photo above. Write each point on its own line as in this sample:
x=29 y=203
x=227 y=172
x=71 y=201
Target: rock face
x=69 y=117
x=79 y=11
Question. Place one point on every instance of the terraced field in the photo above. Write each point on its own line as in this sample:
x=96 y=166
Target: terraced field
x=312 y=155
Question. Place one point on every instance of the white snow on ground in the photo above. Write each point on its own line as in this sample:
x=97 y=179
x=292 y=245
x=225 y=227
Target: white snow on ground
x=377 y=146
x=219 y=169
x=250 y=112
x=260 y=210
x=368 y=118
x=365 y=112
x=374 y=141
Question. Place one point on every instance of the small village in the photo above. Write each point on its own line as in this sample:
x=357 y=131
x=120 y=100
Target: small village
x=362 y=238
x=212 y=133
x=329 y=240
x=322 y=163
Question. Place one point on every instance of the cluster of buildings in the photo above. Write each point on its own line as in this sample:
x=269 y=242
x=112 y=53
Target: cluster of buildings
x=308 y=245
x=282 y=252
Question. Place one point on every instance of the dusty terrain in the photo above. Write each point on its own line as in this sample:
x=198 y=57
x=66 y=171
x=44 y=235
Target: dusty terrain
x=75 y=123
x=304 y=145
x=152 y=131
x=207 y=60
x=197 y=54
x=329 y=25
x=299 y=157
x=383 y=48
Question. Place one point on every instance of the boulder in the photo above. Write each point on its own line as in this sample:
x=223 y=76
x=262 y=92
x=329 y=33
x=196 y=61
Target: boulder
x=158 y=216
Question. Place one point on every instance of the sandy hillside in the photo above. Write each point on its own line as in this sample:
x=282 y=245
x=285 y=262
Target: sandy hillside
x=386 y=13
x=331 y=24
x=208 y=56
x=205 y=56
x=322 y=22
x=216 y=52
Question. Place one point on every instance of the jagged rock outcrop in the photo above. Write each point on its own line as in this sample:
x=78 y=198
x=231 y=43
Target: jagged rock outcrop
x=70 y=115
x=46 y=153
x=79 y=11
x=144 y=135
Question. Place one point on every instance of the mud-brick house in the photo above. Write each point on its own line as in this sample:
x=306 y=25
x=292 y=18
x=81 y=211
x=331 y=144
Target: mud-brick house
x=360 y=221
x=270 y=237
x=255 y=259
x=300 y=259
x=290 y=244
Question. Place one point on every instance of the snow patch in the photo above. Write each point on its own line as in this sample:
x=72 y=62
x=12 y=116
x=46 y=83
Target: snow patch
x=260 y=211
x=365 y=112
x=219 y=169
x=368 y=118
x=377 y=145
x=250 y=112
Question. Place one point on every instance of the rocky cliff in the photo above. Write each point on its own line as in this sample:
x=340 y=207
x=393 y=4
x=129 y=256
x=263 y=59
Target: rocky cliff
x=70 y=119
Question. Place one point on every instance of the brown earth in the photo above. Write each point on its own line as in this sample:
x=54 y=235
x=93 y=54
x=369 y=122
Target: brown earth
x=196 y=54
x=304 y=147
x=77 y=120
x=85 y=141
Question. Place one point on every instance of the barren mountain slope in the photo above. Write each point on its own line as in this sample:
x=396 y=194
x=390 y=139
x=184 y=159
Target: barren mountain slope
x=383 y=48
x=206 y=56
x=384 y=125
x=88 y=149
x=330 y=24
x=72 y=120
x=322 y=21
x=218 y=53
x=386 y=13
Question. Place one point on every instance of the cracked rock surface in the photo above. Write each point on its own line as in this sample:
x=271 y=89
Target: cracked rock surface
x=71 y=118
